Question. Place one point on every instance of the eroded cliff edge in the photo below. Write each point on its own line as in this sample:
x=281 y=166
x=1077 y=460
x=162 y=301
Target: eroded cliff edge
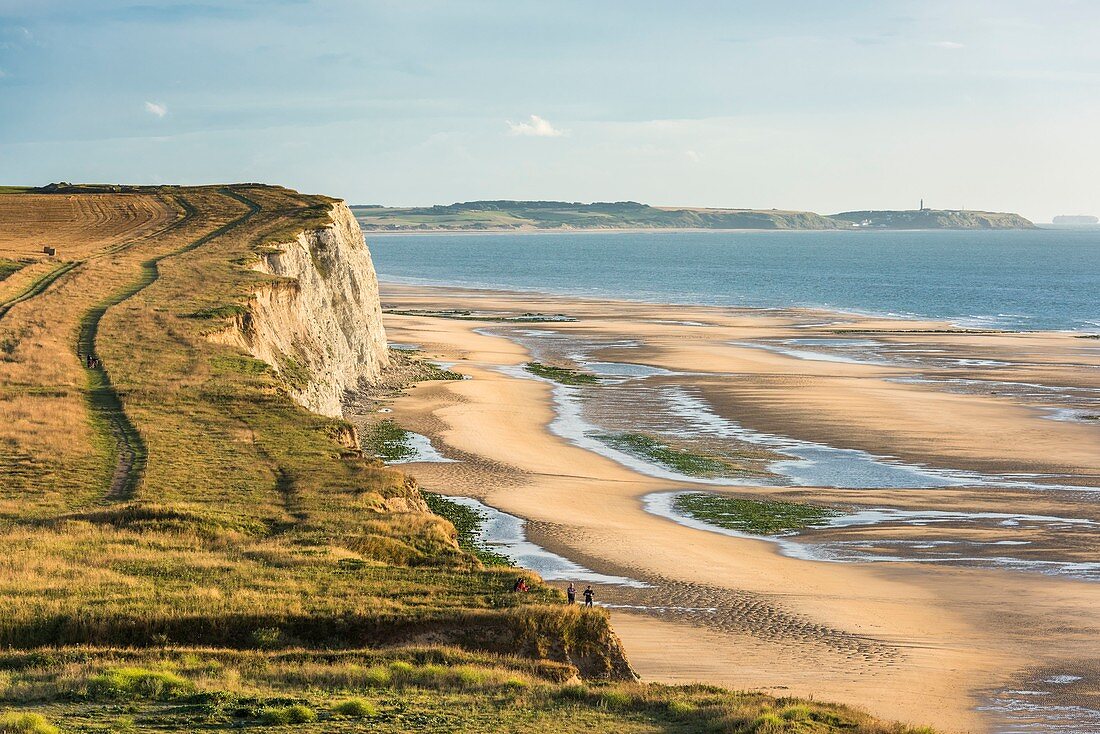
x=318 y=321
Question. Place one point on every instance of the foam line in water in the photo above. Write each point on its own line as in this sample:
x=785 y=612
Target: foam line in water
x=506 y=534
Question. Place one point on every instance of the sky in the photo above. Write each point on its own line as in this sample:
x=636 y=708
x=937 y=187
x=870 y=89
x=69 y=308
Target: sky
x=822 y=106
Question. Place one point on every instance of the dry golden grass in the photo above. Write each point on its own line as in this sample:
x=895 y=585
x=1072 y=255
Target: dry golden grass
x=78 y=225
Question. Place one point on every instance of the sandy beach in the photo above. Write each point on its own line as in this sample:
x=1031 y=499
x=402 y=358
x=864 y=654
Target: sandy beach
x=912 y=636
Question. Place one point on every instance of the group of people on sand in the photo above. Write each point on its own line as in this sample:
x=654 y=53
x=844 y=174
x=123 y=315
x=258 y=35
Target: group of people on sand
x=570 y=593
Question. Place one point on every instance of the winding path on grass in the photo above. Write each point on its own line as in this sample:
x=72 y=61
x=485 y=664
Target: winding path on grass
x=104 y=403
x=38 y=286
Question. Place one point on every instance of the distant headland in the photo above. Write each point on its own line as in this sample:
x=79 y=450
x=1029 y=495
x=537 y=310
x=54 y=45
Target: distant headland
x=507 y=215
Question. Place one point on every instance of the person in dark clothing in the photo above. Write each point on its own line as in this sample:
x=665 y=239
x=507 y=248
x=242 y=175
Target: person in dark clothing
x=571 y=593
x=588 y=594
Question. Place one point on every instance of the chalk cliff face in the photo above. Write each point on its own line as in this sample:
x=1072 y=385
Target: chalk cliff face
x=320 y=326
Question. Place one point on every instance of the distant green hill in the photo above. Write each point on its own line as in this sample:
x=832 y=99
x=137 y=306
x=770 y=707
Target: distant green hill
x=509 y=215
x=934 y=219
x=562 y=215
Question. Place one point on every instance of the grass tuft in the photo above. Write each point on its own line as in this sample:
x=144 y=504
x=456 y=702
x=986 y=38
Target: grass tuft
x=29 y=723
x=286 y=715
x=137 y=683
x=356 y=708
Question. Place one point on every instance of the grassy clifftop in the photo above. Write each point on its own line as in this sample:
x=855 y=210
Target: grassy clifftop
x=185 y=548
x=560 y=215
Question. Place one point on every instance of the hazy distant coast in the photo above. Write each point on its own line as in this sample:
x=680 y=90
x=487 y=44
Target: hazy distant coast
x=512 y=216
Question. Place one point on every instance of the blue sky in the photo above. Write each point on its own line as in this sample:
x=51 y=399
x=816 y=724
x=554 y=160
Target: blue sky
x=824 y=106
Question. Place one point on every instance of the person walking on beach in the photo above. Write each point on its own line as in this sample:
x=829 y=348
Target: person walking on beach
x=588 y=594
x=571 y=593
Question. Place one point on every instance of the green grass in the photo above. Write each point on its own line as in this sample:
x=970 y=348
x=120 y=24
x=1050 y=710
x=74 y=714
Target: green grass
x=8 y=267
x=692 y=463
x=561 y=375
x=417 y=690
x=467 y=521
x=759 y=517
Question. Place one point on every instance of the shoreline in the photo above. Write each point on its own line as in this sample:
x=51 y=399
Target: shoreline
x=865 y=634
x=823 y=312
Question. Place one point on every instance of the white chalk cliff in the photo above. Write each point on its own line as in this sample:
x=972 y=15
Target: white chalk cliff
x=320 y=324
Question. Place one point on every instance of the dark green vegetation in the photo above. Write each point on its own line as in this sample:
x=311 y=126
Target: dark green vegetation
x=464 y=315
x=467 y=521
x=561 y=375
x=388 y=441
x=934 y=219
x=562 y=215
x=760 y=517
x=686 y=461
x=259 y=572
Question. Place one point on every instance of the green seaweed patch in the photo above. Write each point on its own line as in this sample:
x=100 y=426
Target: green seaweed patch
x=758 y=517
x=685 y=461
x=561 y=375
x=467 y=522
x=388 y=441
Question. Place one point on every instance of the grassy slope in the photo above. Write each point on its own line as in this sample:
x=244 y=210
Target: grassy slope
x=259 y=564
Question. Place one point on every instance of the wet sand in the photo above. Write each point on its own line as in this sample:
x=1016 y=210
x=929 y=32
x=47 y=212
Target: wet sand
x=920 y=642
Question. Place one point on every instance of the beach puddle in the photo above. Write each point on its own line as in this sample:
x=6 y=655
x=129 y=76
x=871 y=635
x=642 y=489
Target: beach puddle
x=1053 y=704
x=506 y=534
x=422 y=451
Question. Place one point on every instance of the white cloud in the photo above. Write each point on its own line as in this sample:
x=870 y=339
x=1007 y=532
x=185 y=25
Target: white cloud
x=534 y=127
x=949 y=44
x=692 y=156
x=154 y=108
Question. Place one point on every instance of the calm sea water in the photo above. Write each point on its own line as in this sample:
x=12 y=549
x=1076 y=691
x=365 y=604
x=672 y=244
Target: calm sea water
x=1041 y=279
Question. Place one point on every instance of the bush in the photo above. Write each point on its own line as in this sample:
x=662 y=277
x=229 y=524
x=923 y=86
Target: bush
x=15 y=723
x=357 y=708
x=133 y=683
x=283 y=715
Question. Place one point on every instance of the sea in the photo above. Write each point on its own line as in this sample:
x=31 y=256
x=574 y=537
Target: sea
x=1044 y=279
